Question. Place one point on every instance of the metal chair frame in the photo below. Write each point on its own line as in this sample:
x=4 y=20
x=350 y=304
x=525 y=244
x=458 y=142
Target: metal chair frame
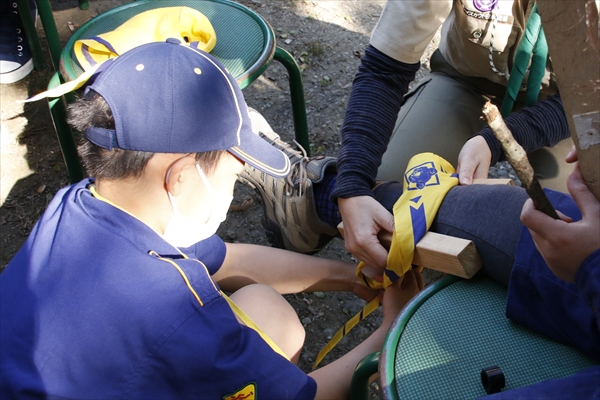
x=564 y=360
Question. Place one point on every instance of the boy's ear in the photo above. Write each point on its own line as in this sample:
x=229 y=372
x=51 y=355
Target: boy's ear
x=174 y=175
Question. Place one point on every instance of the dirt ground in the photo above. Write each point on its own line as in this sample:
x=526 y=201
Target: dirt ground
x=326 y=37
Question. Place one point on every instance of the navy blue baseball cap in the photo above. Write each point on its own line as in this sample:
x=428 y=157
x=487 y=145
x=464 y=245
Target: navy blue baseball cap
x=171 y=98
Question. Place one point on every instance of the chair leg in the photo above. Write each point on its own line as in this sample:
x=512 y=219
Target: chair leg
x=297 y=93
x=31 y=33
x=45 y=11
x=58 y=112
x=367 y=367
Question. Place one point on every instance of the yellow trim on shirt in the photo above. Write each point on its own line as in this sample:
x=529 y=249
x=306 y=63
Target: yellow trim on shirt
x=98 y=196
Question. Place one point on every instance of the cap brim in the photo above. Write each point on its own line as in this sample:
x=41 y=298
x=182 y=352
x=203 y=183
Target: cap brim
x=261 y=154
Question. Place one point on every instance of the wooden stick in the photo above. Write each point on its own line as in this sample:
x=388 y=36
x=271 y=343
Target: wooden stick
x=517 y=157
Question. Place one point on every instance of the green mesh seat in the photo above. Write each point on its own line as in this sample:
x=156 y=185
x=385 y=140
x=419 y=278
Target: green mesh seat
x=245 y=46
x=442 y=340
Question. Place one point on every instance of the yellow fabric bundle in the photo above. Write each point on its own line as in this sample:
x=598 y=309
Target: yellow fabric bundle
x=183 y=23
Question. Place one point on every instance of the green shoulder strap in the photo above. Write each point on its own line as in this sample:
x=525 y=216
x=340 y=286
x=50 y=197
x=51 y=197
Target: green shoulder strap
x=533 y=46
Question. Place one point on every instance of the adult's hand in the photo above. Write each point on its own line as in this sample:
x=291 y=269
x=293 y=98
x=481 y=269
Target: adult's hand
x=473 y=160
x=364 y=218
x=565 y=244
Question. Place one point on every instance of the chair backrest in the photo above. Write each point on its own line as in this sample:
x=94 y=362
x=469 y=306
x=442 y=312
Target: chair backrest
x=455 y=328
x=245 y=41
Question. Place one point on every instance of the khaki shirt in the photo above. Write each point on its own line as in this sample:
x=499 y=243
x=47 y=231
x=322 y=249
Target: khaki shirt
x=405 y=28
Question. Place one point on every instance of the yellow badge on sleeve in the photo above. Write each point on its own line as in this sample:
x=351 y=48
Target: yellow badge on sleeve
x=248 y=392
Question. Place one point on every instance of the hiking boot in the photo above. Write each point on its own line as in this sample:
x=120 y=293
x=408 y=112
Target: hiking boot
x=15 y=56
x=290 y=215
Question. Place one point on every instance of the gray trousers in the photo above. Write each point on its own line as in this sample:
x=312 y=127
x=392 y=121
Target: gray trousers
x=439 y=116
x=488 y=215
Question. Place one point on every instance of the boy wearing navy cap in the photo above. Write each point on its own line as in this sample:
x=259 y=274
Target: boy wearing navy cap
x=117 y=291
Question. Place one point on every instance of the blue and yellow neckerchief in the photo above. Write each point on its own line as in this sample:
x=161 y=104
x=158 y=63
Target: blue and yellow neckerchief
x=427 y=179
x=190 y=26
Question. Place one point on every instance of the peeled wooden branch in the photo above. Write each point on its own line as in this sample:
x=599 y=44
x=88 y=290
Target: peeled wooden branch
x=517 y=157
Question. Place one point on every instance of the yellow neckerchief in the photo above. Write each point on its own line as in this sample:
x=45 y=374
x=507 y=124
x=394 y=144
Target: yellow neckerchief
x=234 y=307
x=427 y=179
x=186 y=24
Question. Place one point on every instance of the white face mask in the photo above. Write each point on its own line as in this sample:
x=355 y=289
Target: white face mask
x=184 y=232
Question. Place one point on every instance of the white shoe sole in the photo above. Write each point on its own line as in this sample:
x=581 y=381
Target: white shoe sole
x=17 y=74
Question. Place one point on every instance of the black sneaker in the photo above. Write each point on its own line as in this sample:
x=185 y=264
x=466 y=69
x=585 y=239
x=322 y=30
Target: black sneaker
x=15 y=55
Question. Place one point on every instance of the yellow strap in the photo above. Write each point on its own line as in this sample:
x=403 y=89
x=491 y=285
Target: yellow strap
x=335 y=339
x=427 y=179
x=65 y=87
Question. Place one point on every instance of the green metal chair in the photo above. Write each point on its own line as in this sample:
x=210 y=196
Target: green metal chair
x=245 y=45
x=453 y=329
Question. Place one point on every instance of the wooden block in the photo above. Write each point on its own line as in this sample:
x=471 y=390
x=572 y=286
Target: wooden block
x=495 y=181
x=447 y=254
x=442 y=253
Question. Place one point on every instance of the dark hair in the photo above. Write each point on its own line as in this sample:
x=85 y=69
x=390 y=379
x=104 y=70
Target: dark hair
x=93 y=110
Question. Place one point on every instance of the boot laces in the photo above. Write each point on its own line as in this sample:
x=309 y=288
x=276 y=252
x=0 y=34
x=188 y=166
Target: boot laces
x=297 y=173
x=297 y=177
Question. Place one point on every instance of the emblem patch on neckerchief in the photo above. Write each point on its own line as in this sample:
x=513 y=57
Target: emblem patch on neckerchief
x=248 y=392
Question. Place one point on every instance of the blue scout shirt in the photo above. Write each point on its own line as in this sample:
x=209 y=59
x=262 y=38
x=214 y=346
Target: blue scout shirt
x=95 y=304
x=562 y=311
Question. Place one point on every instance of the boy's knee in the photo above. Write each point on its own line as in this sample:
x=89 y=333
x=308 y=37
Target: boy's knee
x=271 y=312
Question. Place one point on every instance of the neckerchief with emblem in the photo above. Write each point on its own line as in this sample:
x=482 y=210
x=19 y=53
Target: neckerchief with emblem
x=427 y=179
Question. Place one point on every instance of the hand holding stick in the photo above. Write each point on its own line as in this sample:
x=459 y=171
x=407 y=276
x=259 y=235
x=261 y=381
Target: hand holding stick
x=517 y=157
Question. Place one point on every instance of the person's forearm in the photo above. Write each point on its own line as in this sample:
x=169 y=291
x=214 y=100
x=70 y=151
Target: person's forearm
x=543 y=124
x=377 y=94
x=285 y=271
